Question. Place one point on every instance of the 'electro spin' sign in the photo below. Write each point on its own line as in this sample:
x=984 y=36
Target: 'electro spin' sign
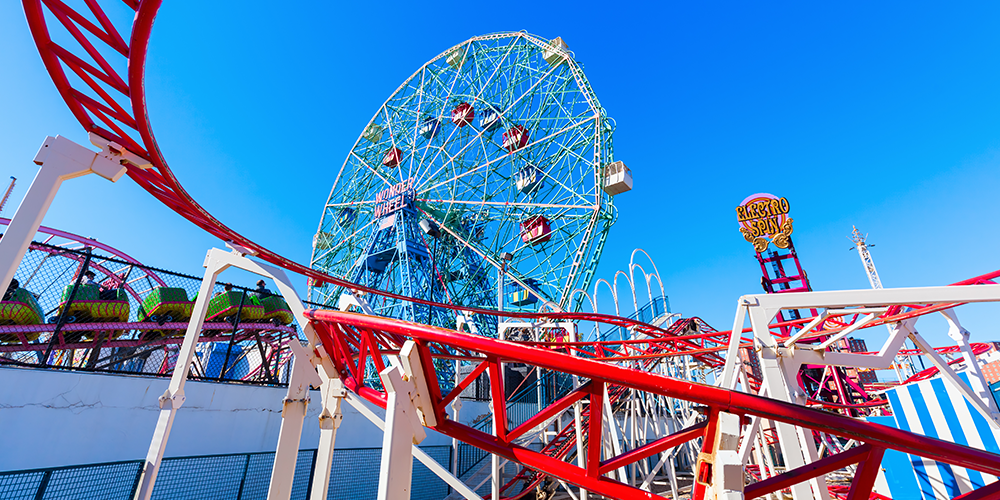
x=764 y=219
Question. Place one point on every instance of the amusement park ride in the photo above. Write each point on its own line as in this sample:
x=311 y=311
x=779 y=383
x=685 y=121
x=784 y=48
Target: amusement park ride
x=456 y=248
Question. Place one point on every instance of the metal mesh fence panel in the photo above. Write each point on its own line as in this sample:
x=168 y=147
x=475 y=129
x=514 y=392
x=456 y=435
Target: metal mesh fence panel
x=195 y=478
x=357 y=478
x=354 y=475
x=100 y=482
x=71 y=307
x=303 y=473
x=426 y=484
x=109 y=481
x=21 y=485
x=243 y=476
x=257 y=476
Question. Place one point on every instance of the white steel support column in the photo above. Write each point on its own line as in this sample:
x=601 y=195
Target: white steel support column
x=401 y=432
x=60 y=159
x=293 y=413
x=296 y=400
x=727 y=467
x=407 y=412
x=611 y=424
x=795 y=451
x=333 y=392
x=173 y=398
x=460 y=487
x=977 y=381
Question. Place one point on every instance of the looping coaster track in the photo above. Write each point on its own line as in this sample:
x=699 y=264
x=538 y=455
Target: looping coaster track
x=103 y=88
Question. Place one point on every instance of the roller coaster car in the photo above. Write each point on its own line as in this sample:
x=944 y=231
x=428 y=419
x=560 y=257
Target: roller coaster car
x=91 y=305
x=166 y=305
x=276 y=310
x=20 y=309
x=224 y=307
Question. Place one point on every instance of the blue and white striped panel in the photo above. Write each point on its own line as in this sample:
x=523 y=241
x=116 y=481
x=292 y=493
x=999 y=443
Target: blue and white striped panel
x=935 y=409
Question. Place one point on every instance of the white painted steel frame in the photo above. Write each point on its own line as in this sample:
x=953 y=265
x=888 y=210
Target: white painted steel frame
x=780 y=364
x=60 y=160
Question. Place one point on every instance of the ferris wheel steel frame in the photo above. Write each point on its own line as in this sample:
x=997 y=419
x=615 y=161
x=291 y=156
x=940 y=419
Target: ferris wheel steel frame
x=460 y=179
x=109 y=117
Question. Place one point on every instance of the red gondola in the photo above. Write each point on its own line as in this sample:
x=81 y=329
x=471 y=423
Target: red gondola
x=392 y=157
x=515 y=138
x=463 y=114
x=535 y=230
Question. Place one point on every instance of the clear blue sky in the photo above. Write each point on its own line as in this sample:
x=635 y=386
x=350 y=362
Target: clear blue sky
x=882 y=115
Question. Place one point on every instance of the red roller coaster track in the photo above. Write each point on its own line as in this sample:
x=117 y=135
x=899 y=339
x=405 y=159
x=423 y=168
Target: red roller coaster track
x=355 y=340
x=111 y=103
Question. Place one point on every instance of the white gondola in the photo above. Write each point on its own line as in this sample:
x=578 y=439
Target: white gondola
x=373 y=133
x=456 y=58
x=556 y=53
x=529 y=179
x=322 y=240
x=617 y=178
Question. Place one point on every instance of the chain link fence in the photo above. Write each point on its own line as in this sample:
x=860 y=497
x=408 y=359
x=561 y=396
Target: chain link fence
x=75 y=308
x=243 y=476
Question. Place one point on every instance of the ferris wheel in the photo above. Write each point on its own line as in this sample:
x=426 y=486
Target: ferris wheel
x=494 y=155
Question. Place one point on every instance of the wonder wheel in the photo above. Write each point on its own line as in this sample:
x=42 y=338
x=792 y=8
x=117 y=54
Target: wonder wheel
x=491 y=158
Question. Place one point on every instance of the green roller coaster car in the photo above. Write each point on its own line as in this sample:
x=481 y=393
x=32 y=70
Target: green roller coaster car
x=20 y=309
x=224 y=307
x=88 y=307
x=166 y=305
x=276 y=309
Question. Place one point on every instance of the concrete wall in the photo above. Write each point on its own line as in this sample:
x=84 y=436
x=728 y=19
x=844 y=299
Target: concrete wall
x=53 y=418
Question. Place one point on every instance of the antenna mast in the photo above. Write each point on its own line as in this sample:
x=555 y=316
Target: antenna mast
x=866 y=258
x=7 y=194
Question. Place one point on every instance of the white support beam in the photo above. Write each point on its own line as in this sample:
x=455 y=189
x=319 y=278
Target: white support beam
x=796 y=451
x=977 y=381
x=845 y=332
x=330 y=418
x=402 y=431
x=419 y=454
x=60 y=160
x=949 y=375
x=173 y=398
x=727 y=467
x=611 y=428
x=293 y=413
x=729 y=373
x=885 y=296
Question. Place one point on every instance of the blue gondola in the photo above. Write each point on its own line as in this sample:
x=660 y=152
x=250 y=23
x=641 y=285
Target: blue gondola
x=490 y=118
x=429 y=127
